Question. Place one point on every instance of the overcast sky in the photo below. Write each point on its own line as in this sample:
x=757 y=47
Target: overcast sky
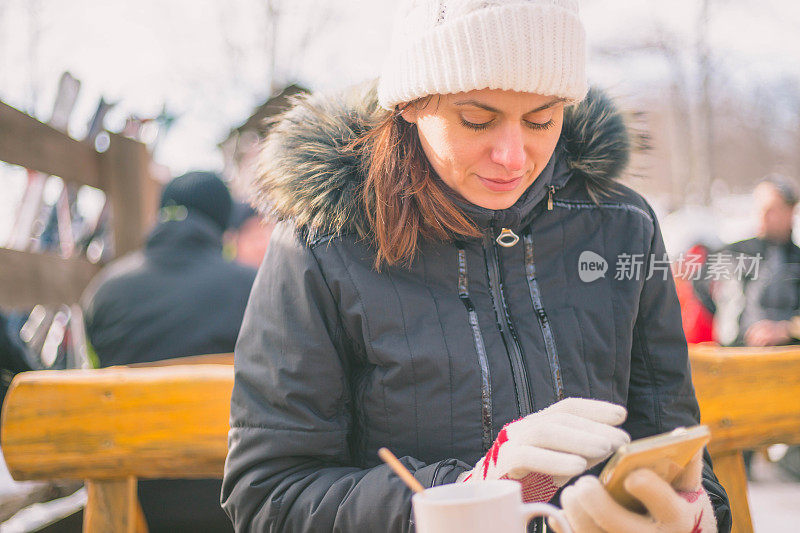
x=207 y=61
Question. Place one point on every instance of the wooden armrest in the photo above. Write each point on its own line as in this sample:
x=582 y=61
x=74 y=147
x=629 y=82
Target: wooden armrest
x=166 y=422
x=212 y=359
x=749 y=397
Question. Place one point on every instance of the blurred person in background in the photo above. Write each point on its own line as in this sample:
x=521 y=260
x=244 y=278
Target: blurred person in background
x=14 y=355
x=423 y=291
x=698 y=321
x=770 y=295
x=176 y=297
x=248 y=235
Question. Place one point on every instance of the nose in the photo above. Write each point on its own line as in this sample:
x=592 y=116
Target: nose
x=509 y=149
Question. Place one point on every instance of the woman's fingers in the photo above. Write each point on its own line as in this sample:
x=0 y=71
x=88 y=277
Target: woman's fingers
x=570 y=434
x=605 y=512
x=518 y=460
x=660 y=499
x=576 y=425
x=578 y=518
x=690 y=477
x=615 y=436
x=597 y=410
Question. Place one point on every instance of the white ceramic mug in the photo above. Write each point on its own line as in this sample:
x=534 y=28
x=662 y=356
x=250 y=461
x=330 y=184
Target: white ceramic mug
x=488 y=506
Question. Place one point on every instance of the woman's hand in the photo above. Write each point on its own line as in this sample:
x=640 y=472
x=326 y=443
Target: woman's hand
x=546 y=449
x=683 y=507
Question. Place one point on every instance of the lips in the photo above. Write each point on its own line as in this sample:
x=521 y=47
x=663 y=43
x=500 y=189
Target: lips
x=500 y=185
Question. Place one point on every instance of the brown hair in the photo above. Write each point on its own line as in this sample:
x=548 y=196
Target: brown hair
x=404 y=201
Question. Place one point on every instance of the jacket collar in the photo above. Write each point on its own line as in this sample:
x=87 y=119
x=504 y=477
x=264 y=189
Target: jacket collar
x=554 y=174
x=196 y=232
x=307 y=176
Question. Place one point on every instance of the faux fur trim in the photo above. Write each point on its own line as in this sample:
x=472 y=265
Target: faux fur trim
x=307 y=176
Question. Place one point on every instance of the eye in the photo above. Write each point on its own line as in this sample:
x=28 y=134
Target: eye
x=539 y=126
x=475 y=119
x=475 y=125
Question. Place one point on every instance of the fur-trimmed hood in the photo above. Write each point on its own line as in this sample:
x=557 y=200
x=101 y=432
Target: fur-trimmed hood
x=307 y=175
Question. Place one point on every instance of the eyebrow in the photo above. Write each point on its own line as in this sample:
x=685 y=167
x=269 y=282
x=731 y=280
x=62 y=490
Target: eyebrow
x=491 y=109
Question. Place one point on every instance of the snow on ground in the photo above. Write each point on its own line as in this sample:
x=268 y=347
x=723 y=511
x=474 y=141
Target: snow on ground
x=774 y=499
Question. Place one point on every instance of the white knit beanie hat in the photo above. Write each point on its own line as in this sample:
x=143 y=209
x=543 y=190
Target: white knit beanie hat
x=452 y=46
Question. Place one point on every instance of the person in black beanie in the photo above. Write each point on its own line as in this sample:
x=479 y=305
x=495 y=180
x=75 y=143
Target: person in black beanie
x=175 y=297
x=202 y=192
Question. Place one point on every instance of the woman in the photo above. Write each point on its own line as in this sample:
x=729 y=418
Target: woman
x=424 y=289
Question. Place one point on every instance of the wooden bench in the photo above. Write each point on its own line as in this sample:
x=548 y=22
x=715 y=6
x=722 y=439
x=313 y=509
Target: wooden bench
x=749 y=397
x=113 y=426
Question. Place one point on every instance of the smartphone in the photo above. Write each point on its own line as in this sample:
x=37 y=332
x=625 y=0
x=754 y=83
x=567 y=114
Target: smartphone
x=666 y=454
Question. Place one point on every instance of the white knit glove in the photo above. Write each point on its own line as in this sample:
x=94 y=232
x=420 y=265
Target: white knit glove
x=683 y=507
x=546 y=449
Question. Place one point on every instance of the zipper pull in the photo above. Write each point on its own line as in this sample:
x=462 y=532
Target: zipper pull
x=550 y=198
x=507 y=238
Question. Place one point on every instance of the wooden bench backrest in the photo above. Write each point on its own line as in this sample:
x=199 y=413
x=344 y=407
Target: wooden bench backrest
x=166 y=422
x=115 y=425
x=749 y=398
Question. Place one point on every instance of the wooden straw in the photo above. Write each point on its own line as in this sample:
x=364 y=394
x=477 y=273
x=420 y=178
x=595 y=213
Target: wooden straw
x=401 y=471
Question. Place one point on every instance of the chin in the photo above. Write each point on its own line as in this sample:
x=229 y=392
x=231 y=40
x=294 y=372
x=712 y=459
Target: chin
x=496 y=204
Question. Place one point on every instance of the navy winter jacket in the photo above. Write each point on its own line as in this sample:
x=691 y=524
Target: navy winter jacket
x=335 y=360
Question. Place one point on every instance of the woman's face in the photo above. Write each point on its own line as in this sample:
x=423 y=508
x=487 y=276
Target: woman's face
x=488 y=145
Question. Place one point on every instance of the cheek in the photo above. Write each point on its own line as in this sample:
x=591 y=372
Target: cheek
x=448 y=149
x=433 y=130
x=547 y=141
x=542 y=149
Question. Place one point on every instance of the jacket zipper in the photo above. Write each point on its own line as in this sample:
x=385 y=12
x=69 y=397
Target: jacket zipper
x=544 y=322
x=517 y=359
x=480 y=348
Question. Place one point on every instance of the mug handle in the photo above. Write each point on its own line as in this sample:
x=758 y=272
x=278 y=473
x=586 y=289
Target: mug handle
x=533 y=510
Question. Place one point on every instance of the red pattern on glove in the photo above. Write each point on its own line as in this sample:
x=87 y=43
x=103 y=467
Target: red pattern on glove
x=692 y=497
x=536 y=487
x=697 y=528
x=494 y=451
